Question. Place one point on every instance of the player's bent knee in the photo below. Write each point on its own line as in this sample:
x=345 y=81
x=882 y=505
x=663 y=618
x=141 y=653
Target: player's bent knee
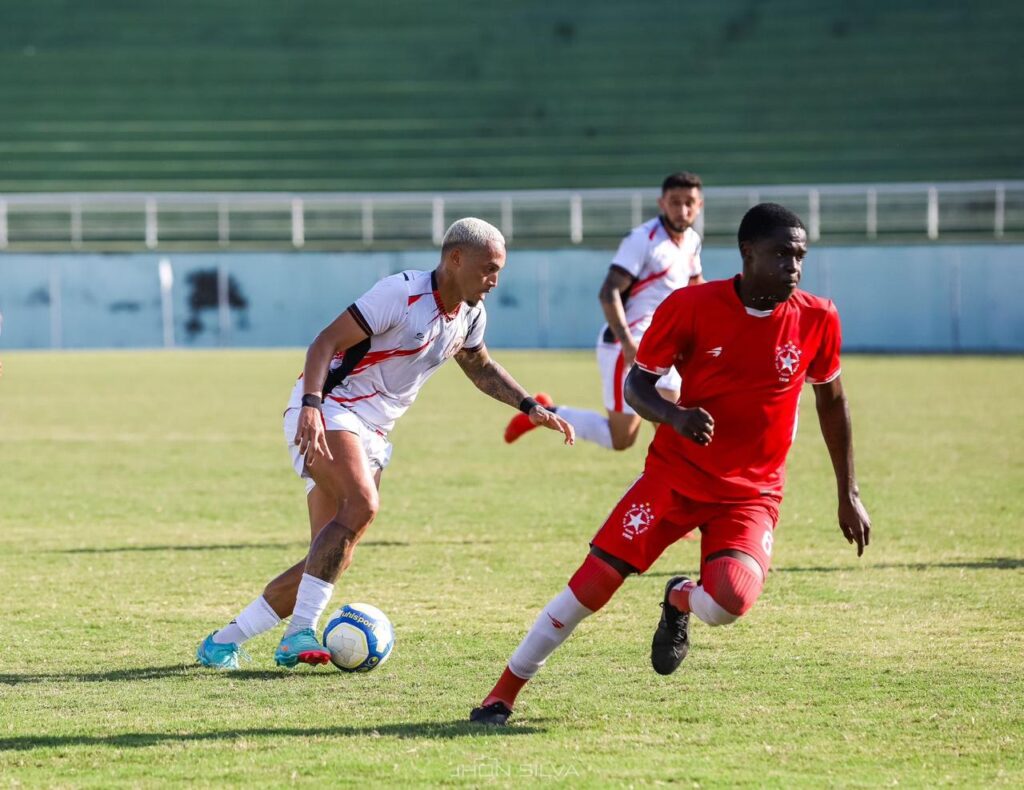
x=623 y=442
x=732 y=584
x=360 y=508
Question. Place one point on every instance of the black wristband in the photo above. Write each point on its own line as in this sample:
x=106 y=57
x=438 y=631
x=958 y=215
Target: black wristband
x=527 y=405
x=313 y=401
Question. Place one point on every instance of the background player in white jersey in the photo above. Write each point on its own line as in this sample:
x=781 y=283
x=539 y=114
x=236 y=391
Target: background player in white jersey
x=655 y=259
x=361 y=373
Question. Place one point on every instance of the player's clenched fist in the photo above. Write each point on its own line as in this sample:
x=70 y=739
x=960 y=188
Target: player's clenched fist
x=694 y=424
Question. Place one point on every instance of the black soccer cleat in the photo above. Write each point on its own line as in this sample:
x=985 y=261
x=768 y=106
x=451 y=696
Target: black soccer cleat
x=496 y=714
x=671 y=641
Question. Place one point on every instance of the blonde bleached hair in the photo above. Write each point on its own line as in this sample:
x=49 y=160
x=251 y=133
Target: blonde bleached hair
x=470 y=232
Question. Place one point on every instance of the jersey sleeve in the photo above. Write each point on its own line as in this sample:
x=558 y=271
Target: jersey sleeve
x=383 y=306
x=826 y=365
x=669 y=334
x=695 y=267
x=477 y=324
x=632 y=252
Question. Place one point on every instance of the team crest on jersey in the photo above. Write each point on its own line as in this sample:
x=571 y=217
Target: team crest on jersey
x=454 y=347
x=637 y=519
x=787 y=361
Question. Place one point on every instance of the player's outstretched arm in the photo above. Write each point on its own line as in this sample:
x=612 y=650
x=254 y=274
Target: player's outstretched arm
x=343 y=333
x=492 y=379
x=642 y=395
x=834 y=418
x=617 y=282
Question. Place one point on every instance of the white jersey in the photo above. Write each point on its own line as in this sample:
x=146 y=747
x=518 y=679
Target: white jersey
x=410 y=336
x=659 y=266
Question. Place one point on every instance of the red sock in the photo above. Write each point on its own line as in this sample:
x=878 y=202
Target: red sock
x=506 y=689
x=595 y=583
x=680 y=599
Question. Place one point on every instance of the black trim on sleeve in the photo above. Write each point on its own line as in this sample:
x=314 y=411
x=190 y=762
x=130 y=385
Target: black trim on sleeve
x=476 y=320
x=629 y=274
x=474 y=349
x=353 y=357
x=358 y=316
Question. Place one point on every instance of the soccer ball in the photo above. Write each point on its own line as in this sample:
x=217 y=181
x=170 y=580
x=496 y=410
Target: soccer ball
x=359 y=636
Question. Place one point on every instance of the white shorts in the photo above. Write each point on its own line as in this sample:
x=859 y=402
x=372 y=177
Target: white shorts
x=613 y=376
x=338 y=418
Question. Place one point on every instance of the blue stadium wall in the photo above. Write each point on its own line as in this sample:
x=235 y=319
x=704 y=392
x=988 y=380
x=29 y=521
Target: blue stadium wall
x=938 y=298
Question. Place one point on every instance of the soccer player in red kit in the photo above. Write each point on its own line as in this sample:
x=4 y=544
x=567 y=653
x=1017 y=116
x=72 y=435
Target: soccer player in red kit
x=744 y=348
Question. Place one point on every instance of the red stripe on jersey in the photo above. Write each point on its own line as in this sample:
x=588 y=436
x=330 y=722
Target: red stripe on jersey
x=653 y=233
x=353 y=400
x=620 y=365
x=641 y=284
x=415 y=298
x=376 y=357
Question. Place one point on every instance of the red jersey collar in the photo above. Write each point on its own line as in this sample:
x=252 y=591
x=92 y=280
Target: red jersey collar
x=439 y=303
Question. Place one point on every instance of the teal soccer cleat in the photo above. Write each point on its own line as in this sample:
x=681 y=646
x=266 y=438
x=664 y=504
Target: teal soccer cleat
x=301 y=647
x=216 y=655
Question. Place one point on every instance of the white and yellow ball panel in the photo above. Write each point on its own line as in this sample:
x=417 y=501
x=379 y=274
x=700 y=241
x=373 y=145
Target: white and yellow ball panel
x=359 y=636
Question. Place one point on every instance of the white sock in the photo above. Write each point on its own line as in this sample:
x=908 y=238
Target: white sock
x=313 y=596
x=551 y=628
x=589 y=425
x=254 y=619
x=708 y=609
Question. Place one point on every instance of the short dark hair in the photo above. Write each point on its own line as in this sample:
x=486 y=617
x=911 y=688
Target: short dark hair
x=764 y=219
x=682 y=180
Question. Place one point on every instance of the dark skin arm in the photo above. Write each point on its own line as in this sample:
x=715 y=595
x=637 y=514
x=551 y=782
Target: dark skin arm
x=492 y=379
x=643 y=396
x=615 y=284
x=834 y=419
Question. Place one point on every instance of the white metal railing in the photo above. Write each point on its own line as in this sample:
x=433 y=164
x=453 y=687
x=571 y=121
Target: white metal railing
x=599 y=217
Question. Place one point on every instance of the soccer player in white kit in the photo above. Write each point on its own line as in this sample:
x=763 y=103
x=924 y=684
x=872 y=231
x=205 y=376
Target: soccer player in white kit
x=655 y=259
x=361 y=373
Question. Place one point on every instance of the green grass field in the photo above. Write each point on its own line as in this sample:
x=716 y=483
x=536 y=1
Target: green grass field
x=145 y=497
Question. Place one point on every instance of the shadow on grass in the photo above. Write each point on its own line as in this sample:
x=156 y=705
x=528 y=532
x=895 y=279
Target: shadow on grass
x=157 y=673
x=203 y=547
x=370 y=544
x=987 y=564
x=437 y=730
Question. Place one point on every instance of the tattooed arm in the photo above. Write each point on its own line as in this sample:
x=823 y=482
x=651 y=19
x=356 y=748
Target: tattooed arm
x=492 y=379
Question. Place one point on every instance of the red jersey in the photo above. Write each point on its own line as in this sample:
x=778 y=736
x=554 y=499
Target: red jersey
x=746 y=368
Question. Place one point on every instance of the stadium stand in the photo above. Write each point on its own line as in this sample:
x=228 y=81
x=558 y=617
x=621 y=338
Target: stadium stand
x=405 y=95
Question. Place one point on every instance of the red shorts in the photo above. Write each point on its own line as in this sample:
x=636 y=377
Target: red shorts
x=651 y=516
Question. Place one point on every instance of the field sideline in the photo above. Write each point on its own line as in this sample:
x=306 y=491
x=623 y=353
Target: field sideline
x=146 y=496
